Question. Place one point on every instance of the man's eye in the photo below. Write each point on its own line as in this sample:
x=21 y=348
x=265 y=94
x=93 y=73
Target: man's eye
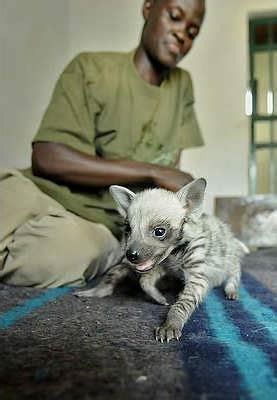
x=159 y=232
x=175 y=15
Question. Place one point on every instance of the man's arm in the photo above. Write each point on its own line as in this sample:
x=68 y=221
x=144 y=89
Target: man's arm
x=63 y=164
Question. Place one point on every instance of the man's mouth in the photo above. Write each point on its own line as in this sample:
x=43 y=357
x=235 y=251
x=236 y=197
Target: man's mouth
x=174 y=49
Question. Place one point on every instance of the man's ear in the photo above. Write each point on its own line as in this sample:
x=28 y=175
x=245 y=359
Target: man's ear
x=191 y=196
x=123 y=198
x=147 y=6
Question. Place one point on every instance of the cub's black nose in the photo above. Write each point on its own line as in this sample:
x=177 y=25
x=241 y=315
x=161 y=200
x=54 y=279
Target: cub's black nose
x=132 y=255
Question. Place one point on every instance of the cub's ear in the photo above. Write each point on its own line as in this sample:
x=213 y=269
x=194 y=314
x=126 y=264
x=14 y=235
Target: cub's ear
x=191 y=196
x=123 y=198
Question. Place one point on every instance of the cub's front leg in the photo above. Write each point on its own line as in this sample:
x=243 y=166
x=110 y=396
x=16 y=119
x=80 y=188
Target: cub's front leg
x=107 y=284
x=189 y=298
x=148 y=284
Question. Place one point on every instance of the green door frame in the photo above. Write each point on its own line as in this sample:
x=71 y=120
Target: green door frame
x=256 y=117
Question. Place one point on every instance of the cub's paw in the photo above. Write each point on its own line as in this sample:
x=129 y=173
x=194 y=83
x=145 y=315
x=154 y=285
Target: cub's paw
x=95 y=292
x=163 y=302
x=167 y=332
x=232 y=295
x=159 y=299
x=231 y=291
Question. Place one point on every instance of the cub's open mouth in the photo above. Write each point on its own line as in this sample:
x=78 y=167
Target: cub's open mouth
x=144 y=267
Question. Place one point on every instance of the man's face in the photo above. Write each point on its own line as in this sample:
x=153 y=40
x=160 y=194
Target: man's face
x=171 y=28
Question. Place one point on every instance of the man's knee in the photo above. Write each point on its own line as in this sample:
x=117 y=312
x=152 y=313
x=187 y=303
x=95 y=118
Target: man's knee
x=20 y=201
x=55 y=250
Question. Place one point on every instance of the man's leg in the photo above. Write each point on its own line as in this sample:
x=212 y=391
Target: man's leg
x=20 y=200
x=50 y=246
x=54 y=250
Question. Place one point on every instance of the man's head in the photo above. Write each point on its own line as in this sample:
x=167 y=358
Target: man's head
x=170 y=28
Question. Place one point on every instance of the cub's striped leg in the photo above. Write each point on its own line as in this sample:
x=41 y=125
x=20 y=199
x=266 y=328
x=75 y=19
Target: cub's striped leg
x=148 y=284
x=232 y=285
x=189 y=298
x=107 y=284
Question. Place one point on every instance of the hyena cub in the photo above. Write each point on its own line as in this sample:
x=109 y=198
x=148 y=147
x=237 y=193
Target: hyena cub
x=167 y=233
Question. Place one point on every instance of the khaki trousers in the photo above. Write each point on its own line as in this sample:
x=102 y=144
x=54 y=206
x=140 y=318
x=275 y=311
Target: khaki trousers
x=41 y=243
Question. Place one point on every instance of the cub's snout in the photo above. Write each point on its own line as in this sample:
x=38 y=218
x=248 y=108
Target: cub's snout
x=139 y=258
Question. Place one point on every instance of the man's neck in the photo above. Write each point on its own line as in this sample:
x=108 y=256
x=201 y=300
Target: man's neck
x=150 y=72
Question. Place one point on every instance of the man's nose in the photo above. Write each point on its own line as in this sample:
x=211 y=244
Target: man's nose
x=132 y=255
x=180 y=35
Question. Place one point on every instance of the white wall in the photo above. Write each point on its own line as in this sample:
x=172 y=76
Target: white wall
x=104 y=25
x=219 y=65
x=38 y=37
x=34 y=48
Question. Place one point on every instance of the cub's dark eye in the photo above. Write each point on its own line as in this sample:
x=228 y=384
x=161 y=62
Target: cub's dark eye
x=159 y=232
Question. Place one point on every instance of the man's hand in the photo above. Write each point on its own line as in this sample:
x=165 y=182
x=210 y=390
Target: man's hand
x=170 y=178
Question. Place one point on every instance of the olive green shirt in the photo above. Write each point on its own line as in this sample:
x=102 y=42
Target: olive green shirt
x=101 y=106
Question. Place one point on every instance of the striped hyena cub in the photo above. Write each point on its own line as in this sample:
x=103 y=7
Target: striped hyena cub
x=167 y=233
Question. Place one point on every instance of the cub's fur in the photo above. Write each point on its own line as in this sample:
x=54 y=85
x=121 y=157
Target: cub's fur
x=167 y=233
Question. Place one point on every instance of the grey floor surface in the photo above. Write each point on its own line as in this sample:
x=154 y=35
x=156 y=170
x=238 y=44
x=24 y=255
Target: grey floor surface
x=98 y=348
